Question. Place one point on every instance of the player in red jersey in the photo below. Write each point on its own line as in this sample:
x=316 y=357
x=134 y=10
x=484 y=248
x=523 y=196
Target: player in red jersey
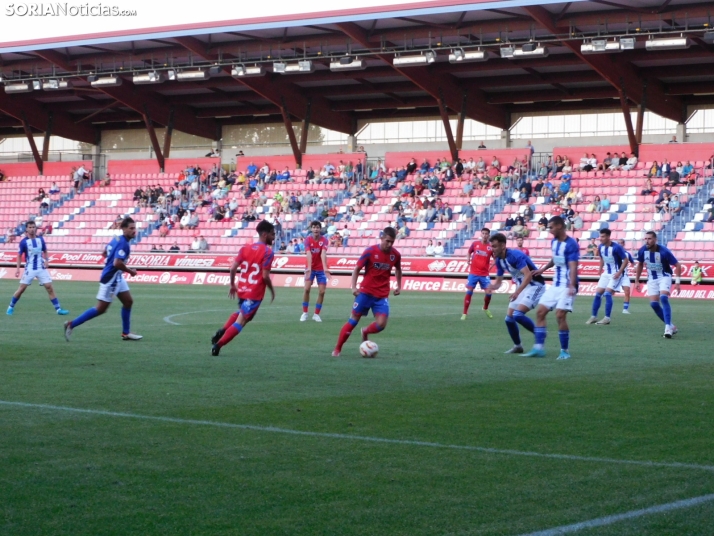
x=316 y=254
x=479 y=258
x=377 y=262
x=519 y=246
x=254 y=261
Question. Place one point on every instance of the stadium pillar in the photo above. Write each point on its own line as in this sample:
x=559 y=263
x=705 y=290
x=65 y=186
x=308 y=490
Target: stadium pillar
x=169 y=134
x=682 y=132
x=305 y=129
x=291 y=134
x=46 y=141
x=460 y=126
x=628 y=123
x=506 y=138
x=154 y=141
x=33 y=146
x=641 y=114
x=447 y=130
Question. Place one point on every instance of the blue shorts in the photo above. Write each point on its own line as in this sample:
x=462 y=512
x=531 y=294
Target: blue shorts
x=482 y=280
x=248 y=308
x=364 y=302
x=320 y=275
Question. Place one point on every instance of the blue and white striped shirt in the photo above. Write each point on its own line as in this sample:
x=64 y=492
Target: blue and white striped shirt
x=612 y=257
x=658 y=262
x=33 y=248
x=563 y=253
x=514 y=262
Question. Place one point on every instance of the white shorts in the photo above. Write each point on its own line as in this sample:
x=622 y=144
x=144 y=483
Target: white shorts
x=557 y=298
x=42 y=275
x=107 y=291
x=530 y=297
x=656 y=286
x=606 y=281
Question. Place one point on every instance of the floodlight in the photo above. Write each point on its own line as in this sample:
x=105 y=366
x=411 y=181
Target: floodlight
x=171 y=74
x=108 y=81
x=530 y=50
x=507 y=51
x=241 y=71
x=36 y=85
x=422 y=59
x=18 y=87
x=348 y=63
x=153 y=77
x=191 y=76
x=55 y=84
x=459 y=55
x=668 y=43
x=279 y=67
x=627 y=43
x=303 y=66
x=600 y=46
x=215 y=70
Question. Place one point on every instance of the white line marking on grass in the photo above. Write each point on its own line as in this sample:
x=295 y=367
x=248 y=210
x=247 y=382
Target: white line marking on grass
x=409 y=442
x=609 y=520
x=168 y=320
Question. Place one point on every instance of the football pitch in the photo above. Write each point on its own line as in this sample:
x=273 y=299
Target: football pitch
x=441 y=434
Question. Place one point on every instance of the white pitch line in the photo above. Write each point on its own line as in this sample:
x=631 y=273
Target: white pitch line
x=349 y=437
x=609 y=520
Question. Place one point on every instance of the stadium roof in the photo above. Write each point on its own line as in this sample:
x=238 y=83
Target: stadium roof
x=556 y=76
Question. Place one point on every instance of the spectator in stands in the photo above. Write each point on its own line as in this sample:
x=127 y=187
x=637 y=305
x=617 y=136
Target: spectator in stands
x=528 y=213
x=606 y=163
x=467 y=189
x=510 y=222
x=592 y=249
x=447 y=213
x=251 y=170
x=584 y=162
x=567 y=167
x=438 y=250
x=673 y=140
x=219 y=213
x=673 y=179
x=604 y=204
x=440 y=188
x=403 y=231
x=576 y=221
x=449 y=174
x=285 y=175
x=411 y=167
x=424 y=167
x=688 y=171
x=519 y=229
x=175 y=248
x=696 y=274
x=543 y=223
x=631 y=163
x=564 y=186
x=519 y=246
x=530 y=151
x=2 y=175
x=429 y=249
x=655 y=170
x=674 y=205
x=663 y=206
x=193 y=220
x=482 y=145
x=467 y=213
x=648 y=189
x=480 y=166
x=665 y=168
x=40 y=195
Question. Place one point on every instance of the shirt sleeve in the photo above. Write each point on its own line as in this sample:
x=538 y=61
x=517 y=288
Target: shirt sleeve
x=23 y=247
x=398 y=261
x=641 y=255
x=499 y=270
x=44 y=245
x=362 y=262
x=520 y=261
x=671 y=259
x=267 y=259
x=571 y=251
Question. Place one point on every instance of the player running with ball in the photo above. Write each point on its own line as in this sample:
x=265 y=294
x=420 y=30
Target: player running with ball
x=529 y=288
x=377 y=261
x=316 y=253
x=34 y=249
x=254 y=261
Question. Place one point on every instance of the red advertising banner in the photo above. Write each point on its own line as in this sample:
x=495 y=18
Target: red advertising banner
x=409 y=283
x=588 y=269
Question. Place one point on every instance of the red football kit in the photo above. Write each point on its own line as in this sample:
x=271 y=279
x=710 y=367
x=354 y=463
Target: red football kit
x=481 y=258
x=316 y=247
x=377 y=270
x=525 y=251
x=252 y=259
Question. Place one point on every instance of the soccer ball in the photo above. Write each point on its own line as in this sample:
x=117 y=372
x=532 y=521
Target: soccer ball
x=368 y=349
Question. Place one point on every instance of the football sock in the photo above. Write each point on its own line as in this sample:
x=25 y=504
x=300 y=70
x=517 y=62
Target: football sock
x=513 y=330
x=230 y=334
x=597 y=300
x=626 y=306
x=657 y=309
x=467 y=300
x=608 y=304
x=540 y=334
x=373 y=328
x=231 y=320
x=305 y=306
x=318 y=308
x=55 y=304
x=564 y=337
x=345 y=333
x=523 y=320
x=667 y=308
x=125 y=320
x=486 y=301
x=13 y=301
x=86 y=315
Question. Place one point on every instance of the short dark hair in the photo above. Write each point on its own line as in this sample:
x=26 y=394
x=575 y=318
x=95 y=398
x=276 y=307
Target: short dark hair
x=498 y=237
x=390 y=232
x=557 y=220
x=605 y=231
x=315 y=222
x=652 y=233
x=265 y=227
x=31 y=222
x=486 y=229
x=126 y=222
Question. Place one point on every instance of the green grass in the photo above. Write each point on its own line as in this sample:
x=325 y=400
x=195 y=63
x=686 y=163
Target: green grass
x=626 y=394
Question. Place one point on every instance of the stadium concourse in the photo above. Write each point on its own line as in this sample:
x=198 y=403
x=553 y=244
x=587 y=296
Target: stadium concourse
x=84 y=219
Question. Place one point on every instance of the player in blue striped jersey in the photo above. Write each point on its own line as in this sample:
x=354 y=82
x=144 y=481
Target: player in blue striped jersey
x=528 y=291
x=660 y=262
x=626 y=279
x=34 y=249
x=613 y=266
x=112 y=283
x=561 y=294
